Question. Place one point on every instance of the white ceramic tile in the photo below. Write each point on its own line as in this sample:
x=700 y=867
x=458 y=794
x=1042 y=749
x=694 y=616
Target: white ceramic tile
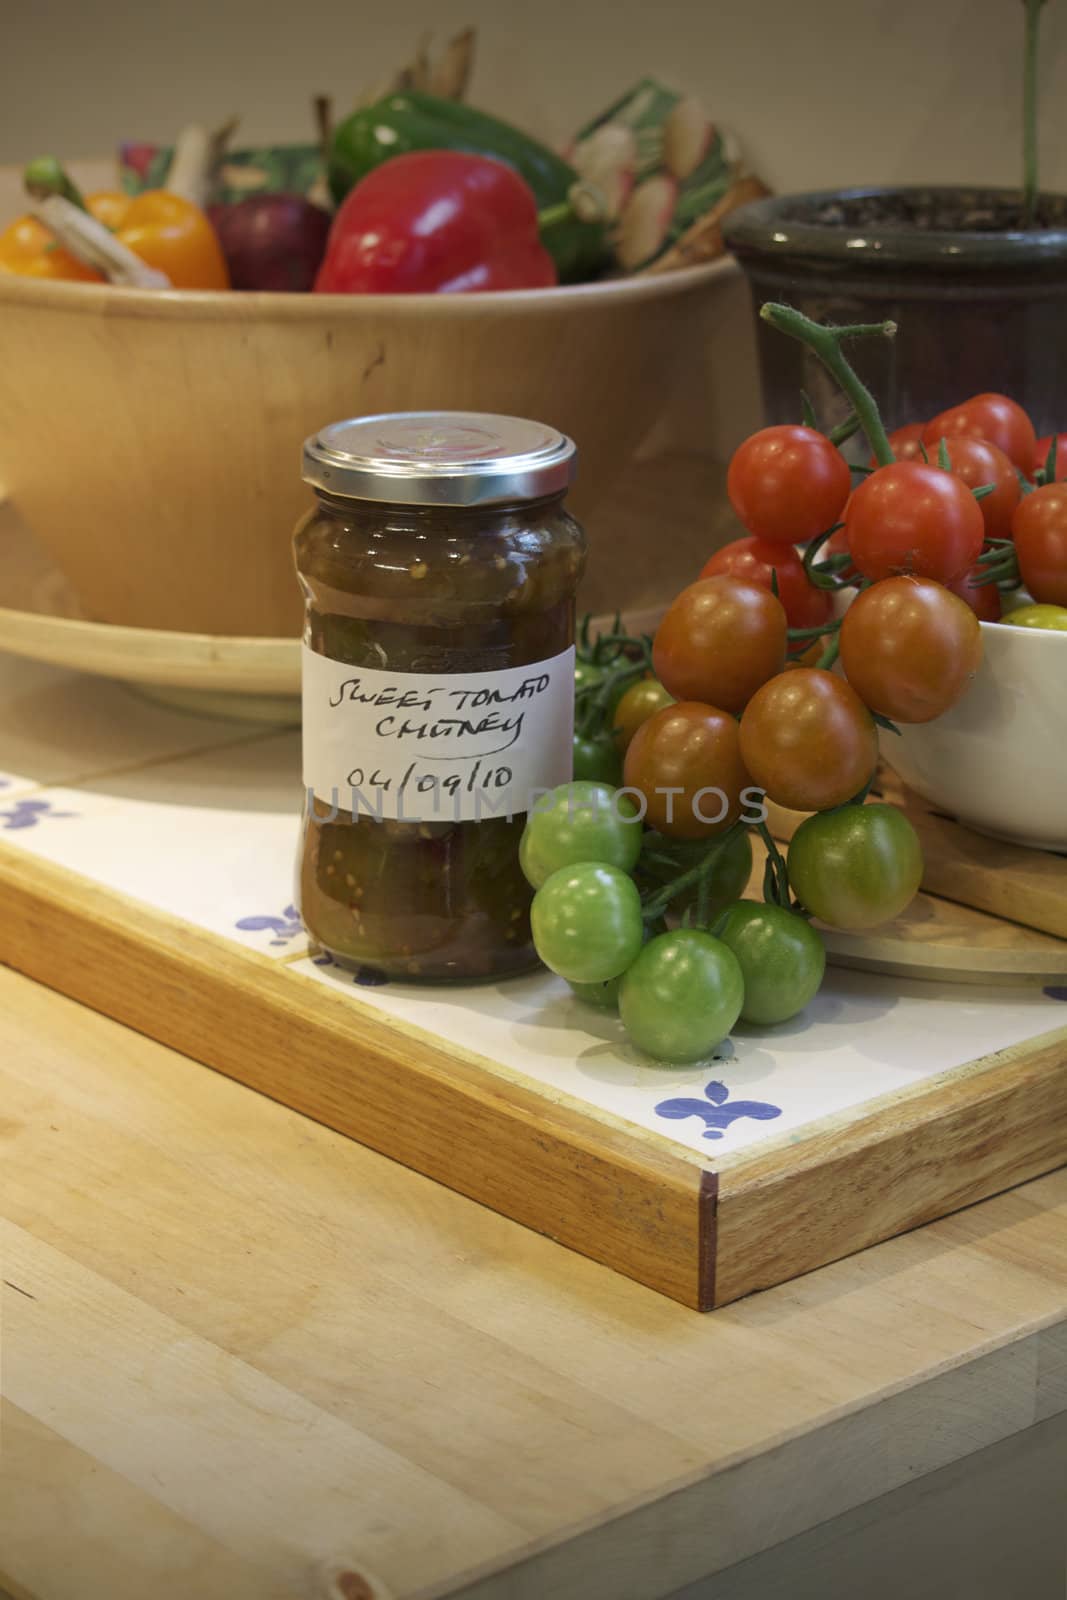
x=60 y=727
x=212 y=836
x=13 y=783
x=171 y=835
x=862 y=1037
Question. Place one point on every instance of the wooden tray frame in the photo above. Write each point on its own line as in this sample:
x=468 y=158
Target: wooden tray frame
x=704 y=1235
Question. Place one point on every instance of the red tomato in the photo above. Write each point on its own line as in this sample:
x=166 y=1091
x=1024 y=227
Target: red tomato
x=755 y=559
x=983 y=598
x=910 y=518
x=788 y=483
x=719 y=640
x=905 y=442
x=686 y=763
x=1041 y=450
x=1039 y=529
x=808 y=740
x=987 y=416
x=977 y=462
x=910 y=648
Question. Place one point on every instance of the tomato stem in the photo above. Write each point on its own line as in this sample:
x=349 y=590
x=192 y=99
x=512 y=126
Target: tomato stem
x=838 y=435
x=825 y=342
x=45 y=176
x=859 y=799
x=999 y=564
x=844 y=430
x=824 y=576
x=656 y=903
x=631 y=659
x=816 y=632
x=775 y=873
x=829 y=655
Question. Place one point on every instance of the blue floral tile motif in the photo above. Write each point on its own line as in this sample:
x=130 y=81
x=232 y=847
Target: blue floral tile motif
x=284 y=928
x=28 y=813
x=715 y=1112
x=1055 y=992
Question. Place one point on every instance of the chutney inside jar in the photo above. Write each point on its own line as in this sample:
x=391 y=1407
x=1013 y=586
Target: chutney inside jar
x=438 y=687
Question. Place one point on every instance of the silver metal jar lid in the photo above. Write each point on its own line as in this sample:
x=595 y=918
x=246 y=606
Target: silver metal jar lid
x=439 y=458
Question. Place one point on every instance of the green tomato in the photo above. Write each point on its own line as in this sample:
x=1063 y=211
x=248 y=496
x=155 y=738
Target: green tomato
x=662 y=859
x=1036 y=616
x=579 y=822
x=605 y=996
x=857 y=866
x=782 y=959
x=586 y=922
x=682 y=995
x=588 y=673
x=597 y=760
x=585 y=673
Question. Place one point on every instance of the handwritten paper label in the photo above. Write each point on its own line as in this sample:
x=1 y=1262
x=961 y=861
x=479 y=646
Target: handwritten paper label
x=436 y=747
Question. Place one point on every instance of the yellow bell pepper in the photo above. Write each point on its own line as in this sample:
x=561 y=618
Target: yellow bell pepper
x=29 y=248
x=168 y=233
x=165 y=230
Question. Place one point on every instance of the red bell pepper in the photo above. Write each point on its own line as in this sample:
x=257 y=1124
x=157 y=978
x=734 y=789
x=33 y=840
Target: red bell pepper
x=436 y=222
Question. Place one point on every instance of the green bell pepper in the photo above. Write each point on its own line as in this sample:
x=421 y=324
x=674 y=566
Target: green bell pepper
x=415 y=121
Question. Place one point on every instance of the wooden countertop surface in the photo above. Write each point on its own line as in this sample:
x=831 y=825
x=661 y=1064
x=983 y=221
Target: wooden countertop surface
x=245 y=1357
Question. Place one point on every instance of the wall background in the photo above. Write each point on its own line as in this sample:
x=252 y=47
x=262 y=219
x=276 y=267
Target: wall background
x=820 y=91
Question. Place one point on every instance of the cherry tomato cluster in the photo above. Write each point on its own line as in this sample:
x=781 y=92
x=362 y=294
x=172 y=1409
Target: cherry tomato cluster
x=604 y=886
x=899 y=521
x=681 y=738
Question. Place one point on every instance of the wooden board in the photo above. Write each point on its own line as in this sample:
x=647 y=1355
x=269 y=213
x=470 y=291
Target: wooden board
x=271 y=1358
x=1024 y=887
x=989 y=913
x=704 y=1232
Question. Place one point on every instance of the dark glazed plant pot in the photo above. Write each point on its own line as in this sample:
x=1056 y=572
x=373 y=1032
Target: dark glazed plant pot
x=979 y=304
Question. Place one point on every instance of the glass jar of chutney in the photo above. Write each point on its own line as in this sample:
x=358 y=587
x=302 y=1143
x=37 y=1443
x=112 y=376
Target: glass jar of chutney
x=439 y=569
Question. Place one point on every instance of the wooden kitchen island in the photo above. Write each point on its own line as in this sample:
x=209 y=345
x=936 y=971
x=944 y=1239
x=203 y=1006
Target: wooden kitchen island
x=244 y=1357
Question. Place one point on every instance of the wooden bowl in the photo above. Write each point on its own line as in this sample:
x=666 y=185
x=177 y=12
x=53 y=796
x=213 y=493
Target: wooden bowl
x=152 y=440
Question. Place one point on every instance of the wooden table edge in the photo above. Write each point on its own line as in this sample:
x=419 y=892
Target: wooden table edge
x=627 y=1199
x=704 y=1505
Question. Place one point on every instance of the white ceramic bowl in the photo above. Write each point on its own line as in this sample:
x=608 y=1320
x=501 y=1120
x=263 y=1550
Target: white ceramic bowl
x=998 y=760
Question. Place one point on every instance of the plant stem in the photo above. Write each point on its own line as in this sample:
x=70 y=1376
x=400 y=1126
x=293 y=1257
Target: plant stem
x=830 y=654
x=584 y=203
x=44 y=177
x=824 y=575
x=816 y=632
x=592 y=699
x=551 y=215
x=825 y=343
x=776 y=874
x=844 y=430
x=658 y=901
x=1033 y=27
